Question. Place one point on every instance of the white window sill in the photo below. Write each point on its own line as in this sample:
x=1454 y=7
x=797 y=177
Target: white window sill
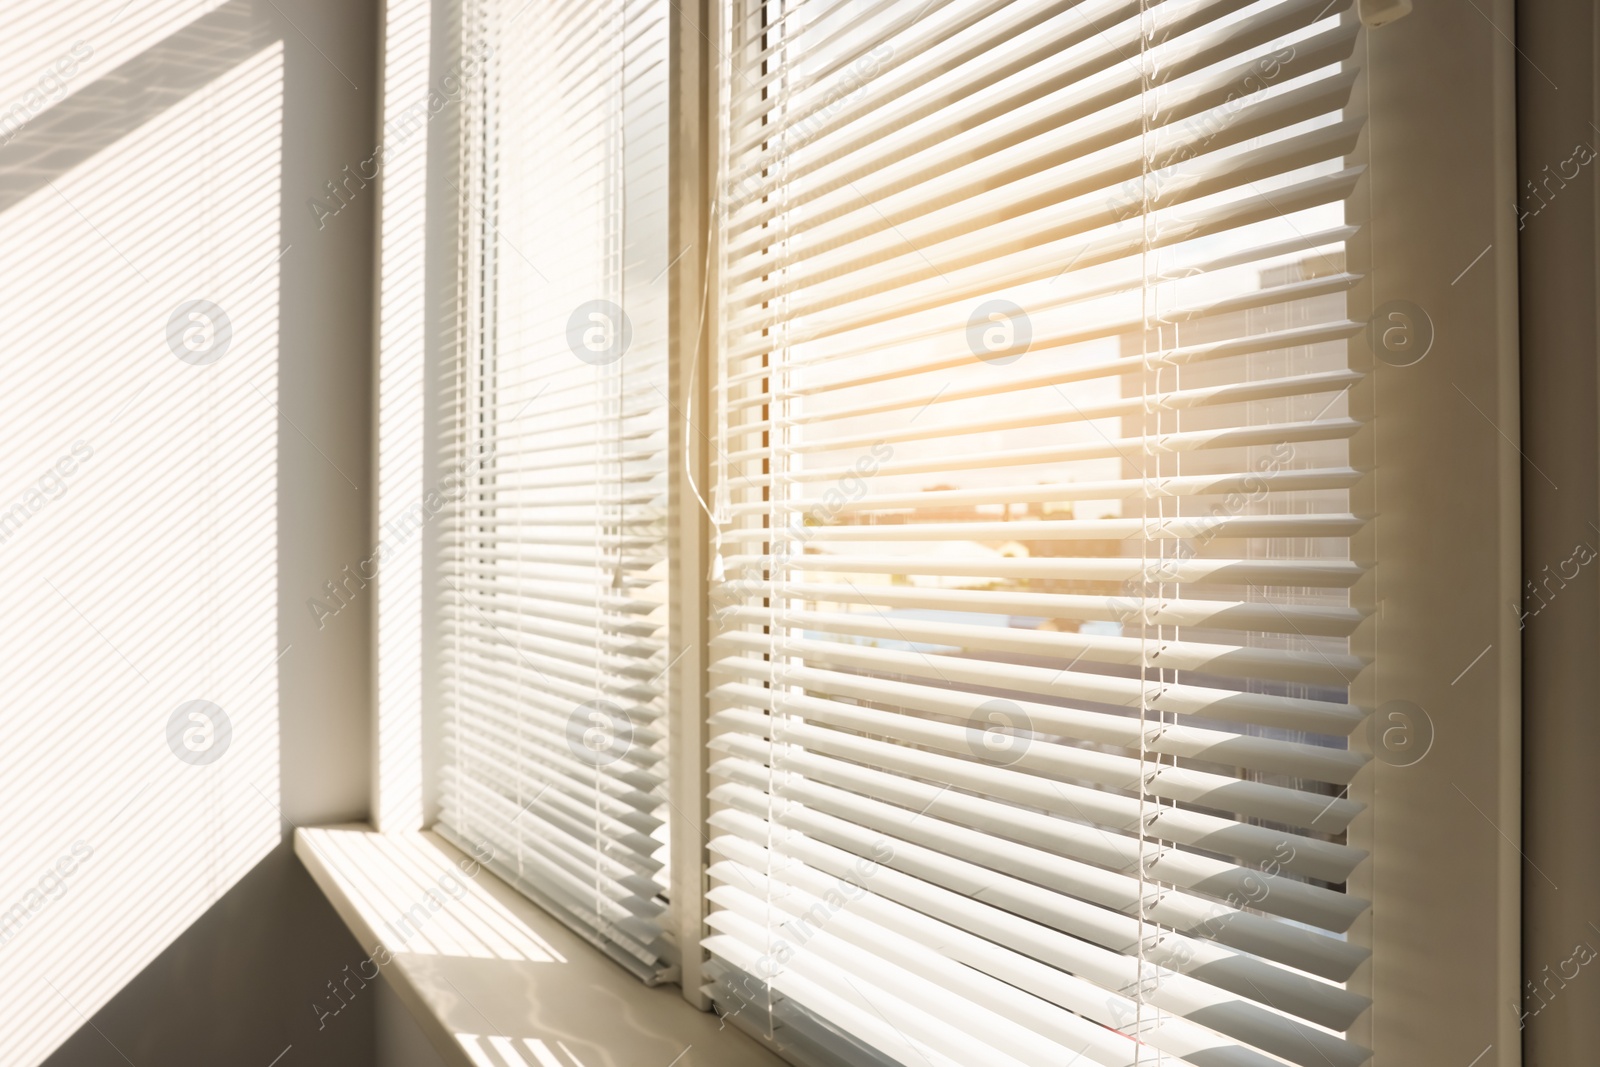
x=489 y=977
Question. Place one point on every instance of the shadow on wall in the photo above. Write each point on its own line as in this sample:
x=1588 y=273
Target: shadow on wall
x=153 y=433
x=210 y=985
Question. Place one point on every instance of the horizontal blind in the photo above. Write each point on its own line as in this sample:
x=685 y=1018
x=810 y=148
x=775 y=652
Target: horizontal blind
x=1039 y=430
x=554 y=584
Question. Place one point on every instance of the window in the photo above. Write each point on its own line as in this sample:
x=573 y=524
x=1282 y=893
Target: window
x=1034 y=449
x=555 y=589
x=1033 y=491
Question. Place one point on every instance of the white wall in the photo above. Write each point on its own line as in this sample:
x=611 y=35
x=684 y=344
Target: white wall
x=171 y=515
x=400 y=1042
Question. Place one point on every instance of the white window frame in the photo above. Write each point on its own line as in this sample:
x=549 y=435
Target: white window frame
x=1445 y=868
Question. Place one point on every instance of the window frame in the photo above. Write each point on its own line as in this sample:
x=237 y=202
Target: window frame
x=1441 y=160
x=1453 y=818
x=692 y=288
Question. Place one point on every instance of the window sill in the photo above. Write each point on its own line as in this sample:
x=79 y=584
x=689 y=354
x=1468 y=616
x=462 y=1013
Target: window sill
x=488 y=976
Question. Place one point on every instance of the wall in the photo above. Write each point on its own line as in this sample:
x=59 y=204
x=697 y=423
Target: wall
x=1559 y=610
x=228 y=479
x=400 y=1042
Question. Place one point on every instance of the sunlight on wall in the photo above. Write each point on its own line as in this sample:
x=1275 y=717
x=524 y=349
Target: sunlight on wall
x=403 y=488
x=50 y=53
x=138 y=512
